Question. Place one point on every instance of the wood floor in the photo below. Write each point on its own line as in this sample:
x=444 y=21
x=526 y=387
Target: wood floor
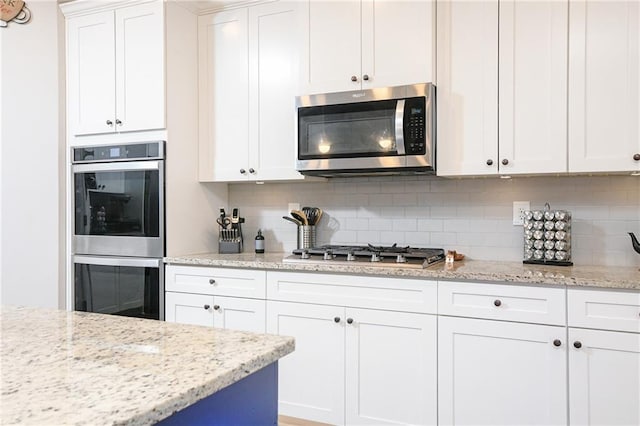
x=294 y=421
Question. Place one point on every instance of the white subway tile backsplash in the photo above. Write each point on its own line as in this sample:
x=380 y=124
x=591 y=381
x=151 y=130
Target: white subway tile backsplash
x=472 y=216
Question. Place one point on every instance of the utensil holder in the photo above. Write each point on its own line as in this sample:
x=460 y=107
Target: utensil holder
x=306 y=236
x=547 y=237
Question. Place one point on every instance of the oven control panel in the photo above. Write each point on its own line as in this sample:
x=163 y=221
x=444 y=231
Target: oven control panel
x=414 y=130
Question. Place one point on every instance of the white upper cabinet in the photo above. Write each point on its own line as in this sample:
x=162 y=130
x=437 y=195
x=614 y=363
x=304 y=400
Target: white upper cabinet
x=514 y=124
x=604 y=86
x=250 y=62
x=364 y=44
x=532 y=117
x=115 y=71
x=224 y=95
x=467 y=88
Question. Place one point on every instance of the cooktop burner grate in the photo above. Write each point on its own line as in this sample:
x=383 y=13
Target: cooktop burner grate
x=371 y=255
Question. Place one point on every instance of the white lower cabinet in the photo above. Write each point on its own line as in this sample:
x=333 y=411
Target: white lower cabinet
x=311 y=379
x=604 y=357
x=365 y=347
x=216 y=297
x=501 y=373
x=234 y=313
x=356 y=366
x=604 y=377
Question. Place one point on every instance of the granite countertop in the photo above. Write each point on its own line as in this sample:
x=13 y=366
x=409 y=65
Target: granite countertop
x=64 y=368
x=468 y=270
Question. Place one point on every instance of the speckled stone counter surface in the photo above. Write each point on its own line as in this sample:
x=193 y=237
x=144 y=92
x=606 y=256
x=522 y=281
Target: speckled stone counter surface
x=75 y=368
x=467 y=270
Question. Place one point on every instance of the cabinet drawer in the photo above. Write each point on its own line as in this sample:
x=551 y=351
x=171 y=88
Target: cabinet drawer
x=603 y=309
x=393 y=294
x=216 y=281
x=502 y=302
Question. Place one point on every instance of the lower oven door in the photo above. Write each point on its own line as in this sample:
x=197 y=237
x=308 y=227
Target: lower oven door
x=127 y=286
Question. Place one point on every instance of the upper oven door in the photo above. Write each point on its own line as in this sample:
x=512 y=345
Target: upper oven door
x=118 y=208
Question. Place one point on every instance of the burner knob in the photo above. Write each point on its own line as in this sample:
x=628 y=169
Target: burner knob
x=375 y=257
x=328 y=255
x=305 y=254
x=351 y=256
x=401 y=259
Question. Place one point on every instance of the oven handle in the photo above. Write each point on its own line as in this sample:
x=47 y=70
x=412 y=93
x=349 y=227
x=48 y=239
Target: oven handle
x=118 y=261
x=400 y=127
x=118 y=166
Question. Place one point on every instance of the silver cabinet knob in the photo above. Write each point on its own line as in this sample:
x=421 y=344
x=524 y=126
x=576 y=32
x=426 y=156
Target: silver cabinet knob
x=243 y=171
x=636 y=157
x=354 y=78
x=216 y=307
x=118 y=122
x=505 y=162
x=206 y=307
x=349 y=320
x=489 y=162
x=212 y=281
x=109 y=123
x=365 y=77
x=252 y=171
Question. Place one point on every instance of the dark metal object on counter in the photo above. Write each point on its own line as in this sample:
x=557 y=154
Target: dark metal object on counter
x=230 y=238
x=370 y=255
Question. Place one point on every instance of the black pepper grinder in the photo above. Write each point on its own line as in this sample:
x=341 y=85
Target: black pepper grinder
x=259 y=242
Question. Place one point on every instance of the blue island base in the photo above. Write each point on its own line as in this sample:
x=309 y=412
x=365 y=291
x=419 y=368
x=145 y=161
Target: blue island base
x=251 y=401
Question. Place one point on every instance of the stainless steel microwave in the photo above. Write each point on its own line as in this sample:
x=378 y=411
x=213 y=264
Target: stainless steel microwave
x=367 y=132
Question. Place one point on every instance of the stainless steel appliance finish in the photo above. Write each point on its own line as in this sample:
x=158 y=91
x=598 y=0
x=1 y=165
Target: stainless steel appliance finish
x=118 y=236
x=127 y=286
x=370 y=255
x=119 y=200
x=377 y=131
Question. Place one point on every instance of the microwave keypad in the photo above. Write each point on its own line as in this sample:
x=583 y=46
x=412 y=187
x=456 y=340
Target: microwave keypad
x=415 y=143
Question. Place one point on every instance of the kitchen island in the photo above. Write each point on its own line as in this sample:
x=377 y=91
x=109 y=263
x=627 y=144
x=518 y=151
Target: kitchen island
x=60 y=367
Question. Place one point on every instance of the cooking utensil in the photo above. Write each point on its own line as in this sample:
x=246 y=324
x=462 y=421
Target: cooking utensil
x=292 y=220
x=318 y=215
x=300 y=216
x=224 y=222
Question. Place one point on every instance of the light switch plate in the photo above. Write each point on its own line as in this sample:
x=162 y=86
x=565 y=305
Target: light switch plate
x=519 y=207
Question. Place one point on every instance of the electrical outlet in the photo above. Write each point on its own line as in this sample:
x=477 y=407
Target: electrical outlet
x=293 y=206
x=519 y=207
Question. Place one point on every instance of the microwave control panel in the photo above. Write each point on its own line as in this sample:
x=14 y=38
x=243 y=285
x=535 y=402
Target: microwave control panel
x=415 y=119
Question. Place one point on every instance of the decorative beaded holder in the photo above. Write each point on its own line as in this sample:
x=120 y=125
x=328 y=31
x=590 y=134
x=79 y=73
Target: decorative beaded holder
x=547 y=237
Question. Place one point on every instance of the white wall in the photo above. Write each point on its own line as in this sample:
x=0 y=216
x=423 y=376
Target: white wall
x=30 y=159
x=472 y=216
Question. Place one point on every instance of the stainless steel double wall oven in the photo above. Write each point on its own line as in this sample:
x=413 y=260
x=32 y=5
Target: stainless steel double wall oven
x=119 y=233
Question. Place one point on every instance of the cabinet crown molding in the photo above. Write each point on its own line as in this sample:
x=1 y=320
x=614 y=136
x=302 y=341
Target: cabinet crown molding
x=84 y=7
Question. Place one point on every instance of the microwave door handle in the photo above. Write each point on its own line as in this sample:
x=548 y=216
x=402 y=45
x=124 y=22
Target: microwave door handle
x=400 y=127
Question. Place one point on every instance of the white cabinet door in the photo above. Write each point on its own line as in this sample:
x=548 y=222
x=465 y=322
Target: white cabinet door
x=391 y=368
x=604 y=86
x=91 y=73
x=311 y=379
x=224 y=96
x=185 y=308
x=604 y=378
x=334 y=61
x=501 y=373
x=140 y=67
x=239 y=314
x=398 y=42
x=467 y=85
x=275 y=53
x=533 y=87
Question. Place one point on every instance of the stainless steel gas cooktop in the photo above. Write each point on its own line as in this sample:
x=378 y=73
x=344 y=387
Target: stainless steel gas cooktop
x=369 y=255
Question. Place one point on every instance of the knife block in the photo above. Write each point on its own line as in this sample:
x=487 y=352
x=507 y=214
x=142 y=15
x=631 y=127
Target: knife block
x=230 y=240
